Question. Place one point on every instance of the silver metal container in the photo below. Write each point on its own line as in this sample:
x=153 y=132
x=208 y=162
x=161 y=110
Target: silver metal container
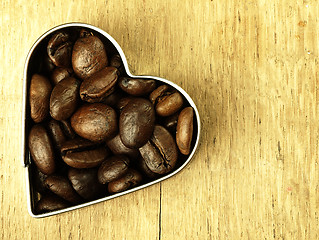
x=33 y=60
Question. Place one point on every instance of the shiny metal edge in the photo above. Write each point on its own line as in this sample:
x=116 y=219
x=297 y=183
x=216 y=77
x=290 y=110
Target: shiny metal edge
x=120 y=51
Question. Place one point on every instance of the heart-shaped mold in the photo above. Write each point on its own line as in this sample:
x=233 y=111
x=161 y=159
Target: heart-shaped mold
x=35 y=64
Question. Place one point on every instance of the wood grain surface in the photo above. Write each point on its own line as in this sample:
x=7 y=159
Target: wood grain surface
x=251 y=68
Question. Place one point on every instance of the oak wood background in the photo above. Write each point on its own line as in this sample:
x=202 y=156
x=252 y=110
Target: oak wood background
x=251 y=68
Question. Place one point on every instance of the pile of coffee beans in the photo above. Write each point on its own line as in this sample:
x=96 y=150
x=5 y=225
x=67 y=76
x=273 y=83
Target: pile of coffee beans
x=96 y=131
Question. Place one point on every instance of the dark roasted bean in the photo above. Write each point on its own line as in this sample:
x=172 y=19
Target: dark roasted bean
x=170 y=123
x=81 y=153
x=136 y=122
x=117 y=147
x=39 y=97
x=184 y=131
x=98 y=86
x=64 y=98
x=62 y=187
x=41 y=149
x=56 y=132
x=137 y=86
x=59 y=74
x=96 y=122
x=130 y=179
x=167 y=101
x=60 y=49
x=160 y=152
x=85 y=182
x=49 y=203
x=88 y=56
x=113 y=168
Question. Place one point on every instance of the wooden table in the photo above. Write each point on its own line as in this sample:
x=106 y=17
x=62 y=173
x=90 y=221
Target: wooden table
x=251 y=68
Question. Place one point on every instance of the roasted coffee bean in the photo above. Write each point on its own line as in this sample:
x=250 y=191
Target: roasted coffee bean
x=169 y=104
x=113 y=168
x=88 y=56
x=114 y=98
x=96 y=122
x=60 y=49
x=49 y=203
x=39 y=97
x=116 y=61
x=98 y=86
x=170 y=123
x=38 y=179
x=167 y=101
x=64 y=98
x=160 y=152
x=141 y=165
x=41 y=149
x=158 y=92
x=81 y=153
x=85 y=183
x=46 y=64
x=56 y=132
x=62 y=187
x=136 y=86
x=136 y=122
x=123 y=102
x=184 y=131
x=128 y=180
x=117 y=147
x=69 y=133
x=60 y=73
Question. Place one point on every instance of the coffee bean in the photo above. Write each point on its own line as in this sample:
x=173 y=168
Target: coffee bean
x=142 y=166
x=98 y=86
x=64 y=98
x=136 y=122
x=113 y=168
x=59 y=74
x=96 y=122
x=62 y=187
x=170 y=123
x=81 y=153
x=169 y=104
x=137 y=87
x=41 y=149
x=184 y=132
x=130 y=179
x=39 y=97
x=38 y=179
x=85 y=183
x=88 y=56
x=167 y=101
x=160 y=152
x=56 y=132
x=117 y=147
x=60 y=49
x=123 y=102
x=114 y=98
x=49 y=203
x=46 y=64
x=157 y=93
x=116 y=61
x=67 y=129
